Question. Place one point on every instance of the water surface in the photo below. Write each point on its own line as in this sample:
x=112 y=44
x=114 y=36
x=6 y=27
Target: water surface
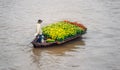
x=98 y=50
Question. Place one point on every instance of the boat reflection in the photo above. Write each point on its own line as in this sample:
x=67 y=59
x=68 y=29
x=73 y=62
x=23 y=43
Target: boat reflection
x=50 y=55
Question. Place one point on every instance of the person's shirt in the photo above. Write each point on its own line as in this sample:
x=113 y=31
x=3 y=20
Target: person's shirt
x=38 y=29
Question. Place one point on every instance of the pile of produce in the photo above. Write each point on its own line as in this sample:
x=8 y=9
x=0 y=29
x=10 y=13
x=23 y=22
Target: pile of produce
x=61 y=30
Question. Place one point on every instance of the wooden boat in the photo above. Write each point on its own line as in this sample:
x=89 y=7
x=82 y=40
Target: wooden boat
x=45 y=44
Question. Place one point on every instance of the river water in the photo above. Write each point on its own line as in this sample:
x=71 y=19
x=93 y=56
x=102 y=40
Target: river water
x=98 y=50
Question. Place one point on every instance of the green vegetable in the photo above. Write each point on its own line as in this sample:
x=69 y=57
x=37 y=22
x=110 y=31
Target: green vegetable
x=50 y=40
x=59 y=31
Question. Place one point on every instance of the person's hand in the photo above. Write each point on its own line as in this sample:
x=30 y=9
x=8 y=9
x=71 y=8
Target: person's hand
x=35 y=34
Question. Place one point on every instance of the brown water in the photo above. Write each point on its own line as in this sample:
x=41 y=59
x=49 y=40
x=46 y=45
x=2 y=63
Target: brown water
x=98 y=50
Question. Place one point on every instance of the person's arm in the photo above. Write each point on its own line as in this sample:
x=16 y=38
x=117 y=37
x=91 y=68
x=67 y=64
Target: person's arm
x=36 y=31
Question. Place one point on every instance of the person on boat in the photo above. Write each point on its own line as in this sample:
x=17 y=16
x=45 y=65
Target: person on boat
x=39 y=31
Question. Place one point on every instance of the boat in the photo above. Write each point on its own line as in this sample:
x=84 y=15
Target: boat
x=46 y=44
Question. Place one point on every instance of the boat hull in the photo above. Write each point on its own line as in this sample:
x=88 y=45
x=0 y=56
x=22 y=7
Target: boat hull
x=45 y=44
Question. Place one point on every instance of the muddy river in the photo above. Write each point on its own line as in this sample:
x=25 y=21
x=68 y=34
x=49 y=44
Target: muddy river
x=98 y=50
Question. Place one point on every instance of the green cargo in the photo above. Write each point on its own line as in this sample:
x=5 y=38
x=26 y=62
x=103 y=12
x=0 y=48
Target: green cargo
x=61 y=30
